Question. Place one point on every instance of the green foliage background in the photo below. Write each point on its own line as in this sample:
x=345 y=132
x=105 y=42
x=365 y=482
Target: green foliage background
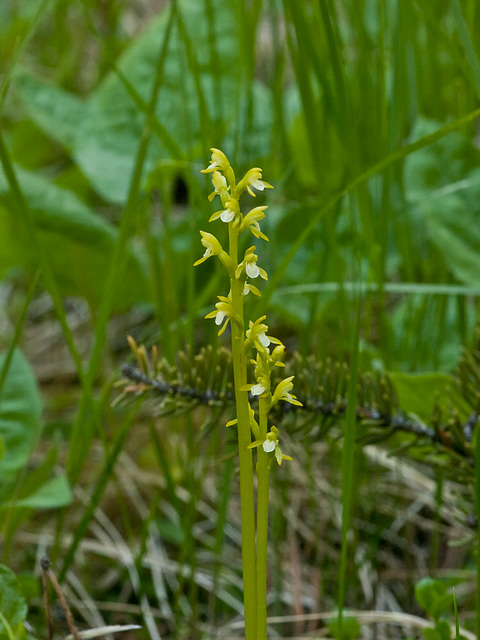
x=362 y=114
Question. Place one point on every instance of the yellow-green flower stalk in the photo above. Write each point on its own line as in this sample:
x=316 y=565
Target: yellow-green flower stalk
x=252 y=433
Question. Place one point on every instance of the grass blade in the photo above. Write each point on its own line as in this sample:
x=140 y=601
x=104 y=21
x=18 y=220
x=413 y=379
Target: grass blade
x=387 y=161
x=348 y=454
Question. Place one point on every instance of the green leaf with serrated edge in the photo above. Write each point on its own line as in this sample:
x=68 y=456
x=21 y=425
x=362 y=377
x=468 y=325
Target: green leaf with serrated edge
x=77 y=241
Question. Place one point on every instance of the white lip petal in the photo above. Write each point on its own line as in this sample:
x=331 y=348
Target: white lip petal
x=252 y=270
x=258 y=185
x=220 y=317
x=264 y=339
x=227 y=215
x=257 y=389
x=268 y=446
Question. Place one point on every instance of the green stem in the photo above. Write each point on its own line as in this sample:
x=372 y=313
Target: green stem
x=247 y=504
x=263 y=477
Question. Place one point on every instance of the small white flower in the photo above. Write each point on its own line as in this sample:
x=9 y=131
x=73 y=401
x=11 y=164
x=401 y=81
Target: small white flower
x=223 y=313
x=252 y=270
x=251 y=221
x=212 y=247
x=270 y=444
x=282 y=392
x=253 y=179
x=257 y=334
x=219 y=181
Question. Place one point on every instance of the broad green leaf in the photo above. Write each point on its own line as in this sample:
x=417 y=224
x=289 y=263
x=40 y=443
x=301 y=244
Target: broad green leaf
x=12 y=603
x=52 y=494
x=197 y=98
x=103 y=133
x=20 y=410
x=37 y=489
x=55 y=111
x=108 y=137
x=20 y=429
x=77 y=241
x=417 y=393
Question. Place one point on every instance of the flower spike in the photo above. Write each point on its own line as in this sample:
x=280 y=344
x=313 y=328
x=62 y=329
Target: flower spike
x=251 y=425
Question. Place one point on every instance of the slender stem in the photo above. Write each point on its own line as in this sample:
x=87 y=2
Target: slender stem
x=247 y=503
x=263 y=477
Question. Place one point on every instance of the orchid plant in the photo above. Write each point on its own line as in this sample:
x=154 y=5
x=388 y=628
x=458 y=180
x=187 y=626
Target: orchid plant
x=254 y=429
